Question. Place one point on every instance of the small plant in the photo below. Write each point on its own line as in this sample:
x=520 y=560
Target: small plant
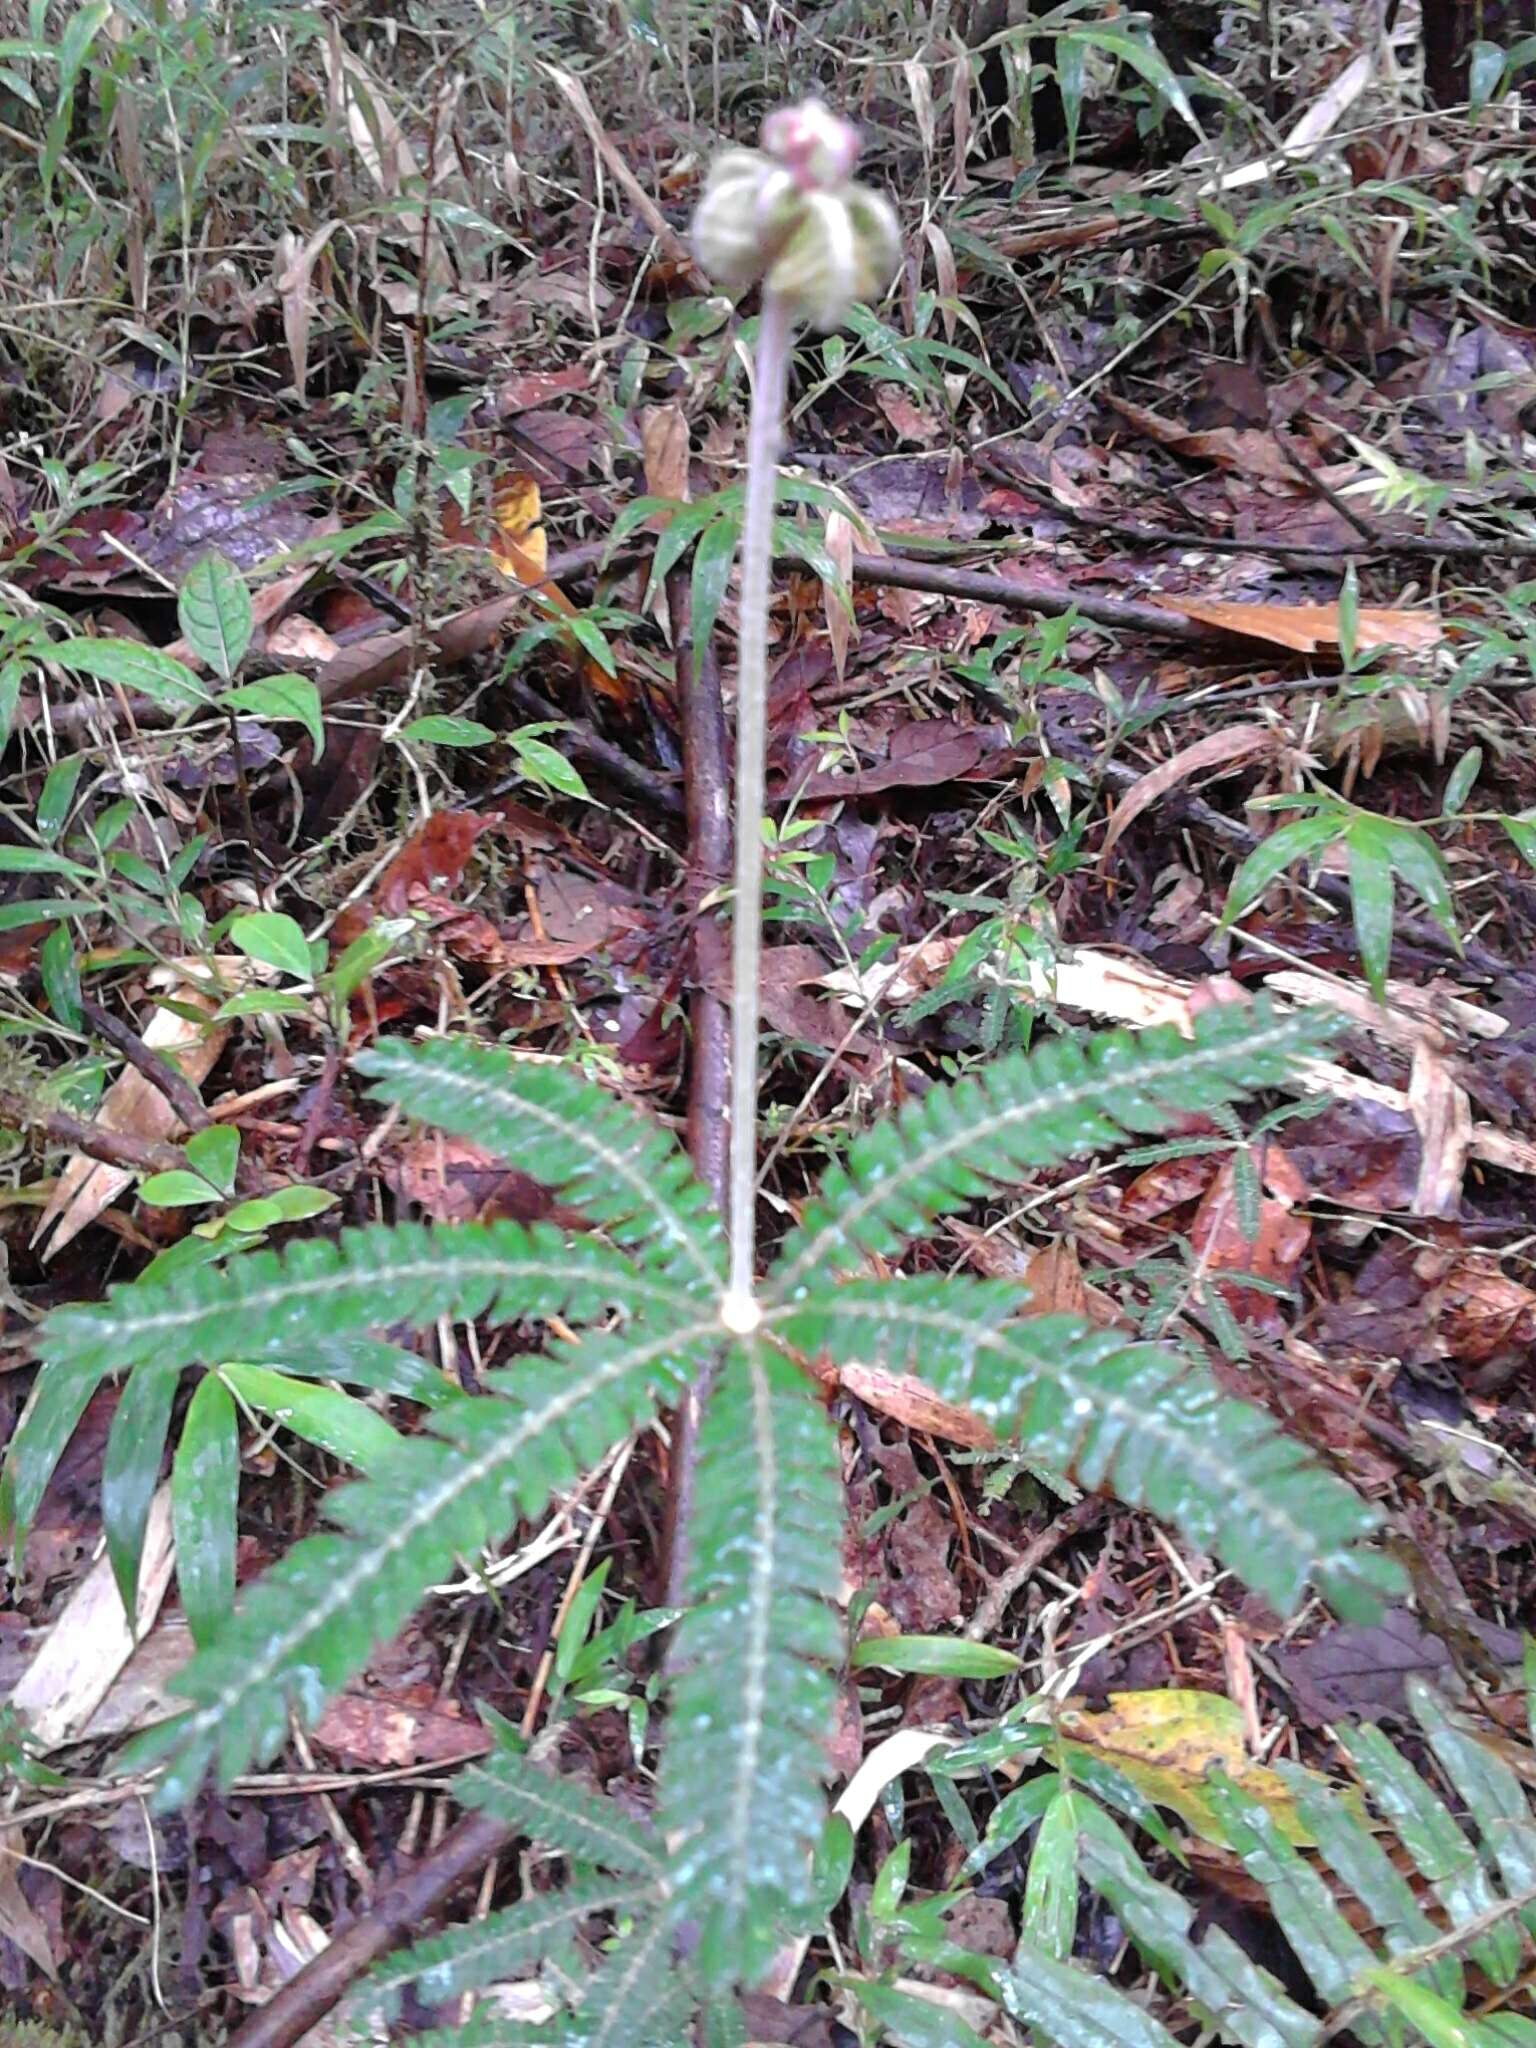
x=670 y=1302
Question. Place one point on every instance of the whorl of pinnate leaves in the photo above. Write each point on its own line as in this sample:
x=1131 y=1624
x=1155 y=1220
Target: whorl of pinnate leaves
x=741 y=1792
x=1132 y=1419
x=1030 y=1110
x=621 y=1168
x=789 y=217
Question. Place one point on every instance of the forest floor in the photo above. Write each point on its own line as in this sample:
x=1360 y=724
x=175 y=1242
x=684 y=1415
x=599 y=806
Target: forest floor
x=1148 y=519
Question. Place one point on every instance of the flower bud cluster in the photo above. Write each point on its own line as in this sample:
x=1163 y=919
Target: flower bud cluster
x=788 y=216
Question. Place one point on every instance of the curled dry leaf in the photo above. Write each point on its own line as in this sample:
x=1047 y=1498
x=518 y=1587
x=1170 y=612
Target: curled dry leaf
x=1228 y=749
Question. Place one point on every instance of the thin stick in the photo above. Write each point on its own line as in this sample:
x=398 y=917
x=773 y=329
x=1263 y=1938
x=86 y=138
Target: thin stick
x=770 y=384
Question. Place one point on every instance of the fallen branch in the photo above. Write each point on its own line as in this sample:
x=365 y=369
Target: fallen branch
x=113 y=1148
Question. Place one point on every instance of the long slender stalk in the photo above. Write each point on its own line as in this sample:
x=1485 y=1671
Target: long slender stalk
x=770 y=381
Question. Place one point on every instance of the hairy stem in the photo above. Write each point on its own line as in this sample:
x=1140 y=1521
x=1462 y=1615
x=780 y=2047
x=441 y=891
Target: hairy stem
x=769 y=384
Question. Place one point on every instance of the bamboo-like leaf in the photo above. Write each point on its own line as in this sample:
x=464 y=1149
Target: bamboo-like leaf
x=626 y=1172
x=313 y=1620
x=1027 y=1111
x=1489 y=1789
x=741 y=1796
x=1131 y=1418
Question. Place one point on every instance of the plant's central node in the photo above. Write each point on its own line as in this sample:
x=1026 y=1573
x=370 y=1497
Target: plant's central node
x=739 y=1312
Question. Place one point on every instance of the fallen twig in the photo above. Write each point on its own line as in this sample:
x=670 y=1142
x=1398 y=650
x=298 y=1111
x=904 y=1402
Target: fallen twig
x=114 y=1148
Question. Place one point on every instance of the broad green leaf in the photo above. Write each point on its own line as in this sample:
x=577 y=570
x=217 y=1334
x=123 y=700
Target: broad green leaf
x=437 y=729
x=215 y=1153
x=263 y=1002
x=323 y=1416
x=276 y=941
x=283 y=1205
x=57 y=797
x=177 y=1190
x=205 y=1485
x=131 y=1470
x=276 y=698
x=941 y=1656
x=1371 y=886
x=545 y=765
x=215 y=614
x=160 y=677
x=39 y=860
x=366 y=952
x=713 y=560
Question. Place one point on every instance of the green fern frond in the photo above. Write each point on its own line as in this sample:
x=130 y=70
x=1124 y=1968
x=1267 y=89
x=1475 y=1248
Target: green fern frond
x=741 y=1795
x=1444 y=1857
x=317 y=1289
x=626 y=1173
x=638 y=1998
x=1031 y=1110
x=560 y=1814
x=1131 y=1419
x=486 y=1951
x=1073 y=2008
x=1224 y=1984
x=314 y=1618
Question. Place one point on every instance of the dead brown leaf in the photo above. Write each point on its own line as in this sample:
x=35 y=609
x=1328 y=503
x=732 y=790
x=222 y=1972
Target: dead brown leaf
x=1227 y=748
x=1308 y=628
x=1274 y=1254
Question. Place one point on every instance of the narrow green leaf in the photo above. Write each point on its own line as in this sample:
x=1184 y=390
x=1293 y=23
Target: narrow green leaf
x=321 y=1415
x=131 y=1470
x=1371 y=898
x=560 y=1814
x=1440 y=1851
x=56 y=1404
x=1049 y=1916
x=61 y=976
x=1073 y=2008
x=215 y=613
x=545 y=765
x=205 y=1486
x=39 y=860
x=1421 y=865
x=940 y=1656
x=713 y=560
x=627 y=1174
x=311 y=1621
x=908 y=2021
x=1462 y=778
